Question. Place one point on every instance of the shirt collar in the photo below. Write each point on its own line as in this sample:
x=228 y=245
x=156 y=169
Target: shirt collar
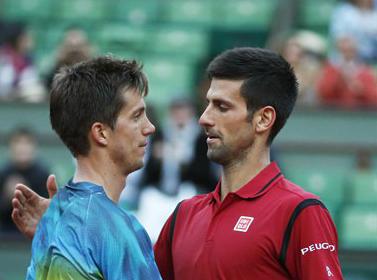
x=215 y=195
x=84 y=186
x=257 y=186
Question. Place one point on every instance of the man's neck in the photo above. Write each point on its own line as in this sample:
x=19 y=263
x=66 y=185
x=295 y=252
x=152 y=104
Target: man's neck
x=236 y=174
x=105 y=175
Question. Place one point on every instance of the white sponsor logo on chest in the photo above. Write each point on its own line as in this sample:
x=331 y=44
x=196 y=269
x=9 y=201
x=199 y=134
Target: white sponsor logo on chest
x=243 y=223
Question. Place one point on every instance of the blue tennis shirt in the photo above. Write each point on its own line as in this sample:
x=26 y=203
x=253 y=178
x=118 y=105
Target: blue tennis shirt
x=85 y=235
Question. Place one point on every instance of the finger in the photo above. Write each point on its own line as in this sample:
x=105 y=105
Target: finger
x=19 y=196
x=19 y=222
x=52 y=186
x=16 y=214
x=26 y=191
x=17 y=217
x=16 y=204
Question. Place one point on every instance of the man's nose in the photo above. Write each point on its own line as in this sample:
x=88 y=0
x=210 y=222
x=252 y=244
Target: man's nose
x=150 y=128
x=205 y=119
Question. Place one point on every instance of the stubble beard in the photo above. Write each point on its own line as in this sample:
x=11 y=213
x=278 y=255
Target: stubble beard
x=220 y=155
x=224 y=155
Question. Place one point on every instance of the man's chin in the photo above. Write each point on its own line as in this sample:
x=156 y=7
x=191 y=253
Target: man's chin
x=214 y=156
x=136 y=167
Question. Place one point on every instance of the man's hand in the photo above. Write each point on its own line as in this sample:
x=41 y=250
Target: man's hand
x=28 y=206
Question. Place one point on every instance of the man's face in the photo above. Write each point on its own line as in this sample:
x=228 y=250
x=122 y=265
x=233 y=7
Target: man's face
x=128 y=139
x=22 y=149
x=225 y=120
x=347 y=47
x=181 y=115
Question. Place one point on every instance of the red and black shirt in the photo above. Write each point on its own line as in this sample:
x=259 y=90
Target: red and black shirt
x=268 y=229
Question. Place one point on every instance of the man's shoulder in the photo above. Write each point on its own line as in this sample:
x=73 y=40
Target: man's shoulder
x=67 y=207
x=196 y=202
x=291 y=194
x=101 y=207
x=90 y=214
x=198 y=199
x=75 y=206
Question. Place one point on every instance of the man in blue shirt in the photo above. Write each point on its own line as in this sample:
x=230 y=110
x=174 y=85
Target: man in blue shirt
x=97 y=108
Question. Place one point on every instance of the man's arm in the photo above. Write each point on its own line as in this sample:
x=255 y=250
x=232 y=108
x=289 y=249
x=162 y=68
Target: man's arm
x=163 y=252
x=312 y=251
x=28 y=206
x=60 y=268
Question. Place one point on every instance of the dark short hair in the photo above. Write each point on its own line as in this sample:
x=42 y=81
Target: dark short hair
x=269 y=80
x=90 y=92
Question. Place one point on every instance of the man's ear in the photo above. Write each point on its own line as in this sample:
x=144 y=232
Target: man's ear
x=264 y=119
x=99 y=133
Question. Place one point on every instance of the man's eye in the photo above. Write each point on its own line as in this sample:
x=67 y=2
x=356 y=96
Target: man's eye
x=223 y=108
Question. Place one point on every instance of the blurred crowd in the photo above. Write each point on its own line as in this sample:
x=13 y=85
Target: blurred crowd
x=23 y=167
x=339 y=70
x=20 y=79
x=334 y=70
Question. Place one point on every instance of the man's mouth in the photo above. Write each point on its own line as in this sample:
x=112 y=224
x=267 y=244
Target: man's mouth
x=143 y=145
x=212 y=137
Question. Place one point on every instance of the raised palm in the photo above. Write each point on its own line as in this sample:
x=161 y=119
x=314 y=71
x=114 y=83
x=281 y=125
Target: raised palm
x=28 y=206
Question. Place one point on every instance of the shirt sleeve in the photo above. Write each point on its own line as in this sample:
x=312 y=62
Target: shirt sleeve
x=312 y=251
x=163 y=252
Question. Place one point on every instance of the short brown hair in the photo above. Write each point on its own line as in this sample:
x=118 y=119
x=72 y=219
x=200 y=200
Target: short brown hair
x=90 y=92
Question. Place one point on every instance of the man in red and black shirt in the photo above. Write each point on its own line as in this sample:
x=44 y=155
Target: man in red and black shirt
x=256 y=224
